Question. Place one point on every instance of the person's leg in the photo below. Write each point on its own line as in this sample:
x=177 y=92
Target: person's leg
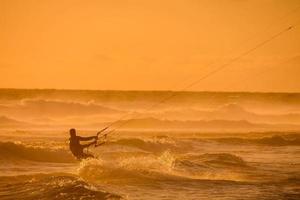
x=85 y=156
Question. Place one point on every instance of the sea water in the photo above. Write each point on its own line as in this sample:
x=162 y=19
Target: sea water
x=199 y=146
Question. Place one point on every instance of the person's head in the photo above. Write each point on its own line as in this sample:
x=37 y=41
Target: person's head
x=72 y=132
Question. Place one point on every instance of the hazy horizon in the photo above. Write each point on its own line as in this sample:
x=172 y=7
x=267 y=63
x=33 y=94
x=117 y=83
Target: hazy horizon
x=175 y=91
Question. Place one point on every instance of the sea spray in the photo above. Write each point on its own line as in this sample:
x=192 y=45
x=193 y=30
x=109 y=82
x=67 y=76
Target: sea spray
x=167 y=159
x=90 y=167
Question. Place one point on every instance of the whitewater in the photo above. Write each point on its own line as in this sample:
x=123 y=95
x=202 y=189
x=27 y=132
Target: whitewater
x=199 y=146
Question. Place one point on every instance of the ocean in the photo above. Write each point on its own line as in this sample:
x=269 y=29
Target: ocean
x=194 y=145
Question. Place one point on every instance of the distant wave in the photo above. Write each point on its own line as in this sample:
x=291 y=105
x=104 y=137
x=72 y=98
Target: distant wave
x=55 y=108
x=9 y=122
x=10 y=151
x=231 y=111
x=235 y=112
x=204 y=125
x=145 y=123
x=275 y=140
x=51 y=186
x=180 y=96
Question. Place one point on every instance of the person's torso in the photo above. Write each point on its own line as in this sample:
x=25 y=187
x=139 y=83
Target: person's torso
x=75 y=146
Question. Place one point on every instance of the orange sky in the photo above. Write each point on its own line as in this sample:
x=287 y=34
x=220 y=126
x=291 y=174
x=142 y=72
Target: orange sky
x=148 y=45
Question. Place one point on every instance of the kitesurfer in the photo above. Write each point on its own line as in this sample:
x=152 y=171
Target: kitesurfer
x=77 y=148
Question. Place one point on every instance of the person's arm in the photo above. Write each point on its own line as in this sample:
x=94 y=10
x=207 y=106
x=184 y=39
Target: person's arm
x=96 y=145
x=87 y=138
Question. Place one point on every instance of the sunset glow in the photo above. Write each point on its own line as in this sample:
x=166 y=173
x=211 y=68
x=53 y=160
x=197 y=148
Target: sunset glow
x=148 y=45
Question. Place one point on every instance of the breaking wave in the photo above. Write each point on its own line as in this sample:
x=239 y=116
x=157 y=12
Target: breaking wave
x=10 y=150
x=165 y=167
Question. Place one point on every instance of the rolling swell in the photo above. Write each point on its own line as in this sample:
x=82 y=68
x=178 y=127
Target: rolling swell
x=210 y=162
x=52 y=186
x=214 y=159
x=275 y=140
x=10 y=150
x=213 y=166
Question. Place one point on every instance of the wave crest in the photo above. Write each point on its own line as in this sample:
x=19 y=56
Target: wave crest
x=157 y=144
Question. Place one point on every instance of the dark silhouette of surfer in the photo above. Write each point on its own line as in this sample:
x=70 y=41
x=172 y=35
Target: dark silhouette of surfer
x=77 y=148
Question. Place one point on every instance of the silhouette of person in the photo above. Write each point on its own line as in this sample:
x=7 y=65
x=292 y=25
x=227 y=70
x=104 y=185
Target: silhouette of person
x=77 y=148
